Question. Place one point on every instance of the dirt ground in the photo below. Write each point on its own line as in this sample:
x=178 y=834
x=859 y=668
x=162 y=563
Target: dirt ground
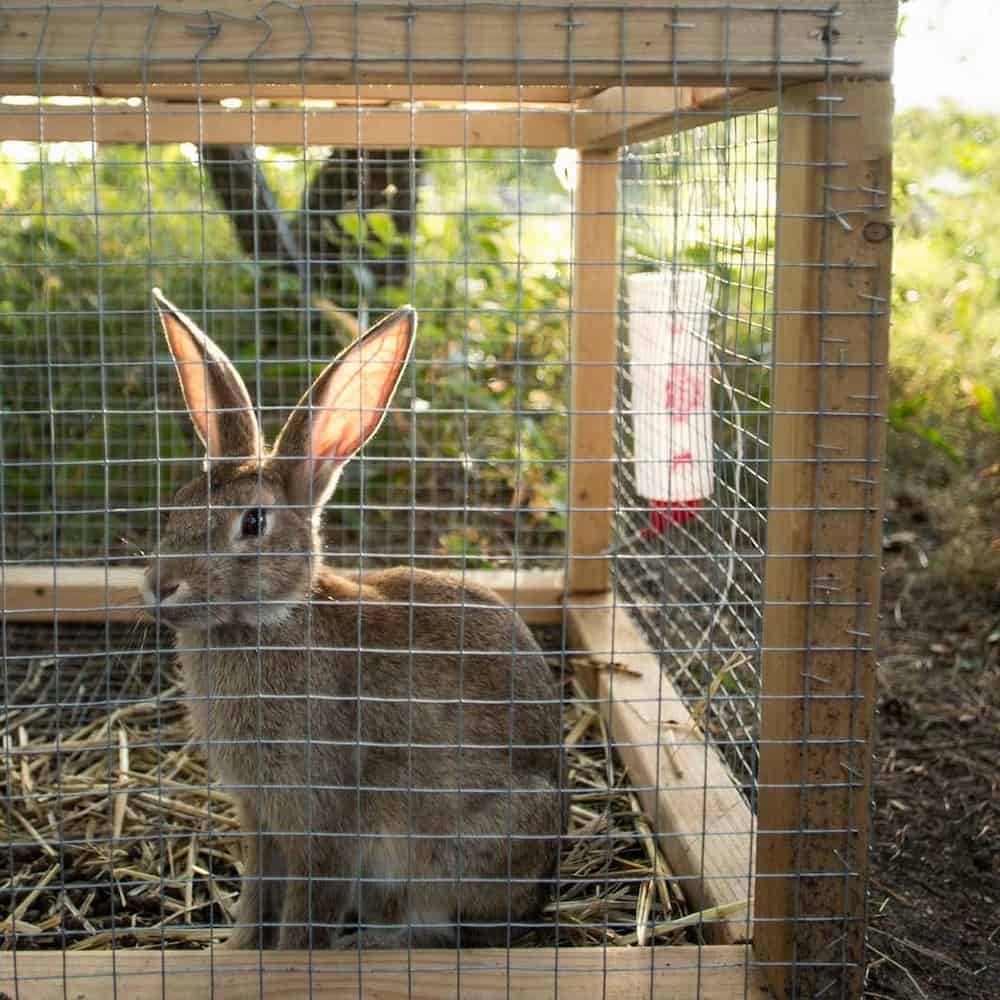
x=935 y=890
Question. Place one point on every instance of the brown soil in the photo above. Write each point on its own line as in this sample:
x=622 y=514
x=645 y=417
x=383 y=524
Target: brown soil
x=935 y=890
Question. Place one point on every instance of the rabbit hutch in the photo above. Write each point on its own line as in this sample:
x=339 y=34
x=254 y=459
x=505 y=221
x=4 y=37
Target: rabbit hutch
x=649 y=247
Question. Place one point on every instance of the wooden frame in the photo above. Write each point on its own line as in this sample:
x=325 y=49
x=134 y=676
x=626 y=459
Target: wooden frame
x=435 y=41
x=601 y=120
x=355 y=126
x=593 y=357
x=718 y=973
x=99 y=593
x=829 y=399
x=429 y=72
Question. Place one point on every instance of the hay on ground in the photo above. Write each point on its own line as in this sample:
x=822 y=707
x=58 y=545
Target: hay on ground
x=117 y=837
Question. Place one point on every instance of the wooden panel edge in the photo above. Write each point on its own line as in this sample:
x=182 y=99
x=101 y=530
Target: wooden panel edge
x=593 y=349
x=686 y=971
x=255 y=41
x=347 y=94
x=619 y=116
x=352 y=127
x=101 y=593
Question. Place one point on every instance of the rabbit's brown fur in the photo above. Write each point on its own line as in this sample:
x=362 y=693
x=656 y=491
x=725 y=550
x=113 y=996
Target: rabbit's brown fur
x=393 y=745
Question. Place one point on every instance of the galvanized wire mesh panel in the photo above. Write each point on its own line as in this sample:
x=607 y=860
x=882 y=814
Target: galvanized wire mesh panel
x=392 y=762
x=79 y=386
x=701 y=204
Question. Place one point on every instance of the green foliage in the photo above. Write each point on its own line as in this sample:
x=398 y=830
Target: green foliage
x=89 y=442
x=946 y=294
x=489 y=386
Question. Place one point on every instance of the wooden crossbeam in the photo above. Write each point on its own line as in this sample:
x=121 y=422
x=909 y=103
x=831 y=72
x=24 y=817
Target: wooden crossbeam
x=621 y=115
x=715 y=973
x=608 y=119
x=588 y=42
x=385 y=128
x=342 y=93
x=104 y=593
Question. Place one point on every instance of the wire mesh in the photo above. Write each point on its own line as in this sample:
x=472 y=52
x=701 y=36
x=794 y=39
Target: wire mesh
x=702 y=202
x=285 y=215
x=461 y=418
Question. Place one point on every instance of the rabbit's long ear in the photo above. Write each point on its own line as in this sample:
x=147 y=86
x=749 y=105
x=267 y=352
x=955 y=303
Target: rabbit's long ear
x=216 y=396
x=343 y=408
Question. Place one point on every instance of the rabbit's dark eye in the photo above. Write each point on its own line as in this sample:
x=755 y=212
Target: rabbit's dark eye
x=254 y=523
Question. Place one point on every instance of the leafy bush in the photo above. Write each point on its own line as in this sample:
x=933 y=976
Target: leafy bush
x=946 y=293
x=92 y=432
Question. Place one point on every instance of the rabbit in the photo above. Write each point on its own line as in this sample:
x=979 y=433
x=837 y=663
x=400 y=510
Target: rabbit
x=392 y=742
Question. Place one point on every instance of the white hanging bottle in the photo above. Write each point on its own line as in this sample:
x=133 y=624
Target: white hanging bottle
x=671 y=366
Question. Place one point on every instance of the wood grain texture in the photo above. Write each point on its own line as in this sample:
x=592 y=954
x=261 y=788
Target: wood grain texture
x=594 y=361
x=713 y=973
x=348 y=94
x=622 y=115
x=614 y=117
x=368 y=128
x=829 y=401
x=97 y=593
x=435 y=41
x=704 y=823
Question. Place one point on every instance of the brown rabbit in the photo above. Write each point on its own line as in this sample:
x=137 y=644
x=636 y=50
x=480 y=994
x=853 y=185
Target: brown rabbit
x=393 y=745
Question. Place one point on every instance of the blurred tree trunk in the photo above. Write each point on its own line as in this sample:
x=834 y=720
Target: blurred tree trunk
x=348 y=181
x=242 y=188
x=352 y=180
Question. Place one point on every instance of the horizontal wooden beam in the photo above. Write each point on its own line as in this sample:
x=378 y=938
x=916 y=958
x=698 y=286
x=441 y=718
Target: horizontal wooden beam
x=71 y=593
x=348 y=93
x=99 y=593
x=705 y=825
x=715 y=973
x=439 y=41
x=611 y=118
x=350 y=127
x=621 y=115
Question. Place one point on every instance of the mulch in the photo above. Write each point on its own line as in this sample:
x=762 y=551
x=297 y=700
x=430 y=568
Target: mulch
x=934 y=927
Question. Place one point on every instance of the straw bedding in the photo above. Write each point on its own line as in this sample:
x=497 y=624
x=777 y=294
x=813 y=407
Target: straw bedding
x=117 y=837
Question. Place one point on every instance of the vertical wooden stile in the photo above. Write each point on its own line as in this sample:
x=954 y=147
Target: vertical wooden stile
x=829 y=401
x=593 y=357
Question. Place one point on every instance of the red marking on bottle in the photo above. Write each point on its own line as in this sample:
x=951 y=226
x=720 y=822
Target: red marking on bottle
x=664 y=513
x=683 y=391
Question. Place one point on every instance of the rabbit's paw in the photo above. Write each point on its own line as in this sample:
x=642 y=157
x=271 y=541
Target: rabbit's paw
x=243 y=937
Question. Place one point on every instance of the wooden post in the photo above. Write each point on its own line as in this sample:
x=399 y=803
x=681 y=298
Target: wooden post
x=829 y=401
x=593 y=357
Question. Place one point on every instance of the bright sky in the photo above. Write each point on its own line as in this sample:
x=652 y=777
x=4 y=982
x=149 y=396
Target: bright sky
x=948 y=49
